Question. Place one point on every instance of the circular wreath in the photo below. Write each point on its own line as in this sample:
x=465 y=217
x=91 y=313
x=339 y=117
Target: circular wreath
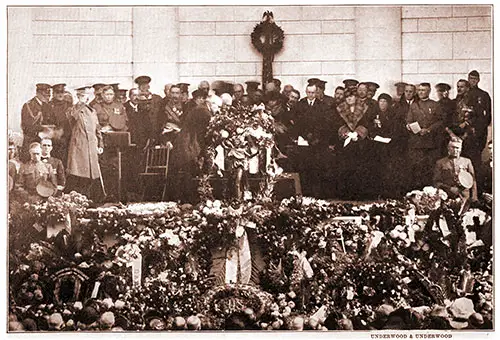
x=265 y=32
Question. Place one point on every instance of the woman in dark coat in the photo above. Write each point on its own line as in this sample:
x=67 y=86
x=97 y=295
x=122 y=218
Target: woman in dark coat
x=353 y=149
x=84 y=147
x=387 y=158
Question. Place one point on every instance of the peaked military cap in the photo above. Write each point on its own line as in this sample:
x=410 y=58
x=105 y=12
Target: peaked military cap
x=252 y=84
x=277 y=82
x=58 y=88
x=184 y=87
x=372 y=86
x=42 y=87
x=441 y=87
x=350 y=82
x=142 y=80
x=83 y=88
x=400 y=84
x=318 y=82
x=98 y=86
x=115 y=86
x=425 y=84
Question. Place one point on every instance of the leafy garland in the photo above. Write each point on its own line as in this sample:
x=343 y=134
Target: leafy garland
x=265 y=32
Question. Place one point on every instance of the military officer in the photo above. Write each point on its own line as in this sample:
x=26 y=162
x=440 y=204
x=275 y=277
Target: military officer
x=32 y=115
x=172 y=116
x=447 y=173
x=84 y=147
x=97 y=94
x=372 y=89
x=34 y=171
x=149 y=102
x=351 y=85
x=400 y=90
x=111 y=113
x=57 y=115
x=56 y=163
x=448 y=109
x=482 y=107
x=424 y=123
x=252 y=86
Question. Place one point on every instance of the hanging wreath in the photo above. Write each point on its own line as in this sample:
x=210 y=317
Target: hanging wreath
x=267 y=37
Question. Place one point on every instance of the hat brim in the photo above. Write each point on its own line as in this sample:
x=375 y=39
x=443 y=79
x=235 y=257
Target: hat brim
x=458 y=324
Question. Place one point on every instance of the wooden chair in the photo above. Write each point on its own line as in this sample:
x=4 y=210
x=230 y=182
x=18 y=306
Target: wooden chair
x=157 y=159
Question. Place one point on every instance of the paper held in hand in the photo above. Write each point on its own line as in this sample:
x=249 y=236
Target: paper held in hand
x=302 y=142
x=382 y=139
x=415 y=127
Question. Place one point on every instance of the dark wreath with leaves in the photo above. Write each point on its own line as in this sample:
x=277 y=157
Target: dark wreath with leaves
x=267 y=37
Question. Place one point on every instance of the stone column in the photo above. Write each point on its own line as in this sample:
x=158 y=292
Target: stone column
x=378 y=46
x=19 y=67
x=155 y=39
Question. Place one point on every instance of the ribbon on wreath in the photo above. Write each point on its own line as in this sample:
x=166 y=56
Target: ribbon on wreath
x=238 y=257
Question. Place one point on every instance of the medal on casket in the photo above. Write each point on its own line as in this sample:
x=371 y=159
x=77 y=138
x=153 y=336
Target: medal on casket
x=46 y=188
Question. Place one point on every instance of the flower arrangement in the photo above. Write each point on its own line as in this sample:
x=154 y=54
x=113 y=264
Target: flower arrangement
x=313 y=261
x=426 y=200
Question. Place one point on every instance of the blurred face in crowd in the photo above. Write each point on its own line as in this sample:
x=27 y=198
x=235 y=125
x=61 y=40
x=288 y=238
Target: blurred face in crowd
x=473 y=80
x=134 y=95
x=204 y=86
x=462 y=88
x=370 y=94
x=144 y=87
x=108 y=96
x=442 y=94
x=362 y=91
x=423 y=91
x=59 y=96
x=245 y=100
x=238 y=91
x=320 y=93
x=339 y=95
x=257 y=96
x=490 y=151
x=350 y=99
x=46 y=147
x=311 y=92
x=44 y=95
x=166 y=90
x=270 y=87
x=454 y=149
x=400 y=90
x=184 y=97
x=12 y=151
x=383 y=104
x=409 y=92
x=199 y=100
x=83 y=97
x=36 y=154
x=293 y=98
x=175 y=94
x=287 y=89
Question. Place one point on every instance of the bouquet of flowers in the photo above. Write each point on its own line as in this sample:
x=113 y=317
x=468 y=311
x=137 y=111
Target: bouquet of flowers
x=426 y=200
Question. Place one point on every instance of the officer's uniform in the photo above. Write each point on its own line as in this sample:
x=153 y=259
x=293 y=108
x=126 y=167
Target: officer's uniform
x=57 y=170
x=446 y=174
x=31 y=123
x=31 y=173
x=424 y=150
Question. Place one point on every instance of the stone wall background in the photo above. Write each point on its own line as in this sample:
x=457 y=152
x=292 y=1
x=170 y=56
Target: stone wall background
x=84 y=45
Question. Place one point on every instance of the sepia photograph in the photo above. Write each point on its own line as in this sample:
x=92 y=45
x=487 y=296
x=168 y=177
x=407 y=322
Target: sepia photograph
x=249 y=168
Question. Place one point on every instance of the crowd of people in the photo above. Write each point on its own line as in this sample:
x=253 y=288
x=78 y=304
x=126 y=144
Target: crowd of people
x=354 y=145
